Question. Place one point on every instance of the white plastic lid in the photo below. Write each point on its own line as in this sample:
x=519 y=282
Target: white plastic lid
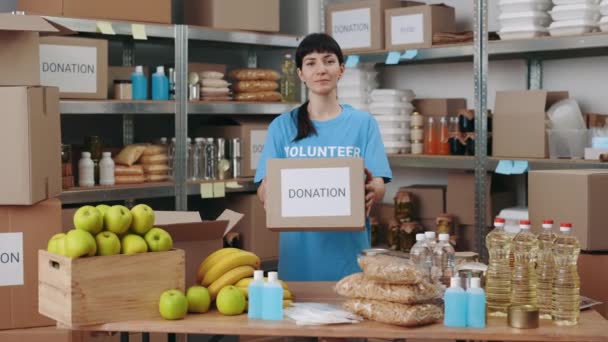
x=86 y=154
x=173 y=139
x=106 y=154
x=431 y=120
x=475 y=283
x=573 y=23
x=160 y=69
x=258 y=275
x=189 y=140
x=199 y=140
x=163 y=140
x=139 y=69
x=273 y=277
x=521 y=15
x=444 y=237
x=420 y=237
x=430 y=235
x=455 y=282
x=442 y=120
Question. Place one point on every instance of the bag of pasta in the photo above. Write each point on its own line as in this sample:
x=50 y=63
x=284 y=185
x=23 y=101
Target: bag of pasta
x=394 y=313
x=391 y=269
x=358 y=286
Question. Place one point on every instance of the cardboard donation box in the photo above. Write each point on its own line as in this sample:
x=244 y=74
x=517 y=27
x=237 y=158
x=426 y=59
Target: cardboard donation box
x=439 y=107
x=519 y=123
x=23 y=231
x=592 y=271
x=574 y=196
x=413 y=27
x=31 y=134
x=252 y=15
x=78 y=66
x=315 y=194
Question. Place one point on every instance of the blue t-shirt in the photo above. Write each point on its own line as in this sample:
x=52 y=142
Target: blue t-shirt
x=325 y=256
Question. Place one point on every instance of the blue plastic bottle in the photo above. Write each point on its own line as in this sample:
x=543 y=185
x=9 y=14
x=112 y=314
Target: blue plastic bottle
x=455 y=305
x=160 y=84
x=139 y=84
x=272 y=309
x=476 y=305
x=256 y=299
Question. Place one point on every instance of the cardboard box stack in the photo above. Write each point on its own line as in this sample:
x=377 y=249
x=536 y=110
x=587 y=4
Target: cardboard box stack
x=252 y=15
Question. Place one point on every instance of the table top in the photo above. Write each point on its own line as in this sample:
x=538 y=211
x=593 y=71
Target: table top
x=592 y=326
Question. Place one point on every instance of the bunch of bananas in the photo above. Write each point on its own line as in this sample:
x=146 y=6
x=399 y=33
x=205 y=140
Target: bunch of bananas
x=288 y=296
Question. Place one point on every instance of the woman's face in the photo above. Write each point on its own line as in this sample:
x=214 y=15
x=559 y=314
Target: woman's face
x=321 y=72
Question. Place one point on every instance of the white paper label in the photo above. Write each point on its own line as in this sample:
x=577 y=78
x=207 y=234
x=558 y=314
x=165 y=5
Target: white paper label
x=352 y=29
x=71 y=68
x=258 y=138
x=315 y=192
x=407 y=29
x=11 y=259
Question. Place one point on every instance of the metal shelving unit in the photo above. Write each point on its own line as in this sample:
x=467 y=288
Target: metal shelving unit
x=240 y=108
x=116 y=107
x=117 y=193
x=241 y=185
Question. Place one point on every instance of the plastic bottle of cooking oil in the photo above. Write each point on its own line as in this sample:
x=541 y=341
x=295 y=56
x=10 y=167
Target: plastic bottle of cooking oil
x=288 y=79
x=498 y=280
x=523 y=280
x=545 y=266
x=566 y=283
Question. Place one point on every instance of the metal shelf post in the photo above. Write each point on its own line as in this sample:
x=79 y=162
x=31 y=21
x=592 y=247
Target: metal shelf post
x=180 y=159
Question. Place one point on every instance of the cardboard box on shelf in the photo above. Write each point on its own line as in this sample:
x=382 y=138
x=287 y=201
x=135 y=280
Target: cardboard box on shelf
x=252 y=133
x=575 y=196
x=120 y=73
x=428 y=201
x=519 y=123
x=594 y=280
x=23 y=231
x=78 y=66
x=413 y=27
x=251 y=15
x=30 y=131
x=154 y=11
x=439 y=107
x=460 y=197
x=315 y=194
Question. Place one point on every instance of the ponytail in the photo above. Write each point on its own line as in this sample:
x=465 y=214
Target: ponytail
x=305 y=125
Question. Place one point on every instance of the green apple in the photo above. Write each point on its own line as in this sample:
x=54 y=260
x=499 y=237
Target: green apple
x=117 y=219
x=199 y=299
x=89 y=219
x=143 y=219
x=133 y=244
x=107 y=243
x=173 y=305
x=102 y=208
x=79 y=243
x=57 y=244
x=158 y=240
x=230 y=301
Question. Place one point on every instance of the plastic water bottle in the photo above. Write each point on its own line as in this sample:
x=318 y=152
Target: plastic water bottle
x=566 y=284
x=431 y=240
x=523 y=280
x=197 y=172
x=255 y=291
x=139 y=84
x=545 y=270
x=160 y=84
x=498 y=278
x=444 y=257
x=455 y=305
x=476 y=305
x=420 y=255
x=272 y=294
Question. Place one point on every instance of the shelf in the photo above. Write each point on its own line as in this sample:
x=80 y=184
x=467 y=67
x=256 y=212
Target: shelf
x=551 y=164
x=242 y=37
x=119 y=27
x=116 y=107
x=239 y=185
x=117 y=192
x=433 y=162
x=240 y=108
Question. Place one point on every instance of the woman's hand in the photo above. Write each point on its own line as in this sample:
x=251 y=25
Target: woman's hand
x=262 y=193
x=374 y=191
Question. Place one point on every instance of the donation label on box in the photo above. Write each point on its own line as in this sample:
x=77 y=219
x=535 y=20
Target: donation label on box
x=407 y=29
x=258 y=138
x=11 y=259
x=352 y=29
x=71 y=68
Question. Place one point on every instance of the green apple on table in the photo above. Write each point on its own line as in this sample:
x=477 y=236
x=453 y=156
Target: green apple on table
x=133 y=244
x=158 y=240
x=88 y=218
x=173 y=305
x=79 y=243
x=57 y=244
x=199 y=299
x=143 y=219
x=117 y=219
x=107 y=243
x=230 y=301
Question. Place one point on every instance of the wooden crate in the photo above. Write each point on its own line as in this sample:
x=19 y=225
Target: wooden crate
x=104 y=289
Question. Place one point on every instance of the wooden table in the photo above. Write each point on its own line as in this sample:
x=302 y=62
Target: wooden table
x=592 y=326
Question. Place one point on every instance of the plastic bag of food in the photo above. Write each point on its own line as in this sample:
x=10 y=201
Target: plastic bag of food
x=255 y=86
x=133 y=170
x=255 y=75
x=214 y=83
x=392 y=269
x=155 y=159
x=358 y=286
x=130 y=154
x=155 y=149
x=156 y=178
x=156 y=169
x=212 y=75
x=263 y=96
x=394 y=313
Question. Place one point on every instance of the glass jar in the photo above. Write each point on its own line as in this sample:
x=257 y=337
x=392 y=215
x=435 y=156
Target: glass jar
x=416 y=120
x=375 y=231
x=93 y=145
x=444 y=224
x=407 y=235
x=417 y=147
x=393 y=235
x=416 y=133
x=403 y=206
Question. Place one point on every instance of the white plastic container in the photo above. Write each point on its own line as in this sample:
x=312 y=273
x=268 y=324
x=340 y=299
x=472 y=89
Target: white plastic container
x=353 y=92
x=575 y=12
x=523 y=5
x=567 y=143
x=604 y=24
x=394 y=130
x=525 y=32
x=106 y=169
x=397 y=147
x=391 y=95
x=576 y=2
x=86 y=170
x=391 y=108
x=528 y=18
x=393 y=121
x=604 y=8
x=571 y=27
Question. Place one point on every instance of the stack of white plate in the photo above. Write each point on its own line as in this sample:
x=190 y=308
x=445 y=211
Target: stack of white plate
x=604 y=13
x=523 y=19
x=574 y=17
x=355 y=85
x=392 y=109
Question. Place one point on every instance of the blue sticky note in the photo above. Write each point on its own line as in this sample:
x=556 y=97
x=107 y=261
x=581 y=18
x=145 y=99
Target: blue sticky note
x=504 y=167
x=519 y=167
x=410 y=54
x=352 y=61
x=393 y=57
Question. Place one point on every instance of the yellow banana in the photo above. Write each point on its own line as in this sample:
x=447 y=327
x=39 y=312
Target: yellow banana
x=212 y=259
x=229 y=262
x=245 y=283
x=287 y=303
x=287 y=294
x=244 y=290
x=229 y=278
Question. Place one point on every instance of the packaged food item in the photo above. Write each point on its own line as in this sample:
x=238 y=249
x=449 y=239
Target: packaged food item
x=133 y=170
x=255 y=86
x=445 y=224
x=212 y=75
x=391 y=269
x=264 y=96
x=253 y=74
x=130 y=154
x=393 y=235
x=572 y=27
x=154 y=149
x=407 y=235
x=217 y=98
x=215 y=91
x=514 y=19
x=214 y=83
x=524 y=5
x=129 y=179
x=155 y=159
x=156 y=178
x=156 y=169
x=403 y=206
x=358 y=286
x=394 y=313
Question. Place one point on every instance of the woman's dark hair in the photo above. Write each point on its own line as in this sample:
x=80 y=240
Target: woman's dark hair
x=315 y=42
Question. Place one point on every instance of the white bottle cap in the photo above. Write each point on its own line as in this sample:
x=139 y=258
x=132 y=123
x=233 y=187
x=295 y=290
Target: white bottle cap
x=258 y=275
x=431 y=119
x=106 y=154
x=273 y=277
x=455 y=282
x=189 y=140
x=173 y=139
x=442 y=120
x=160 y=70
x=287 y=55
x=444 y=237
x=199 y=139
x=430 y=236
x=163 y=140
x=475 y=283
x=86 y=154
x=139 y=69
x=420 y=237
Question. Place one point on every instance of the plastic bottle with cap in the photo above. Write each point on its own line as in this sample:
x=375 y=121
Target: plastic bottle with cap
x=139 y=84
x=431 y=239
x=455 y=305
x=255 y=293
x=272 y=295
x=86 y=170
x=524 y=279
x=476 y=305
x=106 y=169
x=545 y=269
x=420 y=254
x=498 y=275
x=160 y=84
x=444 y=258
x=566 y=283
